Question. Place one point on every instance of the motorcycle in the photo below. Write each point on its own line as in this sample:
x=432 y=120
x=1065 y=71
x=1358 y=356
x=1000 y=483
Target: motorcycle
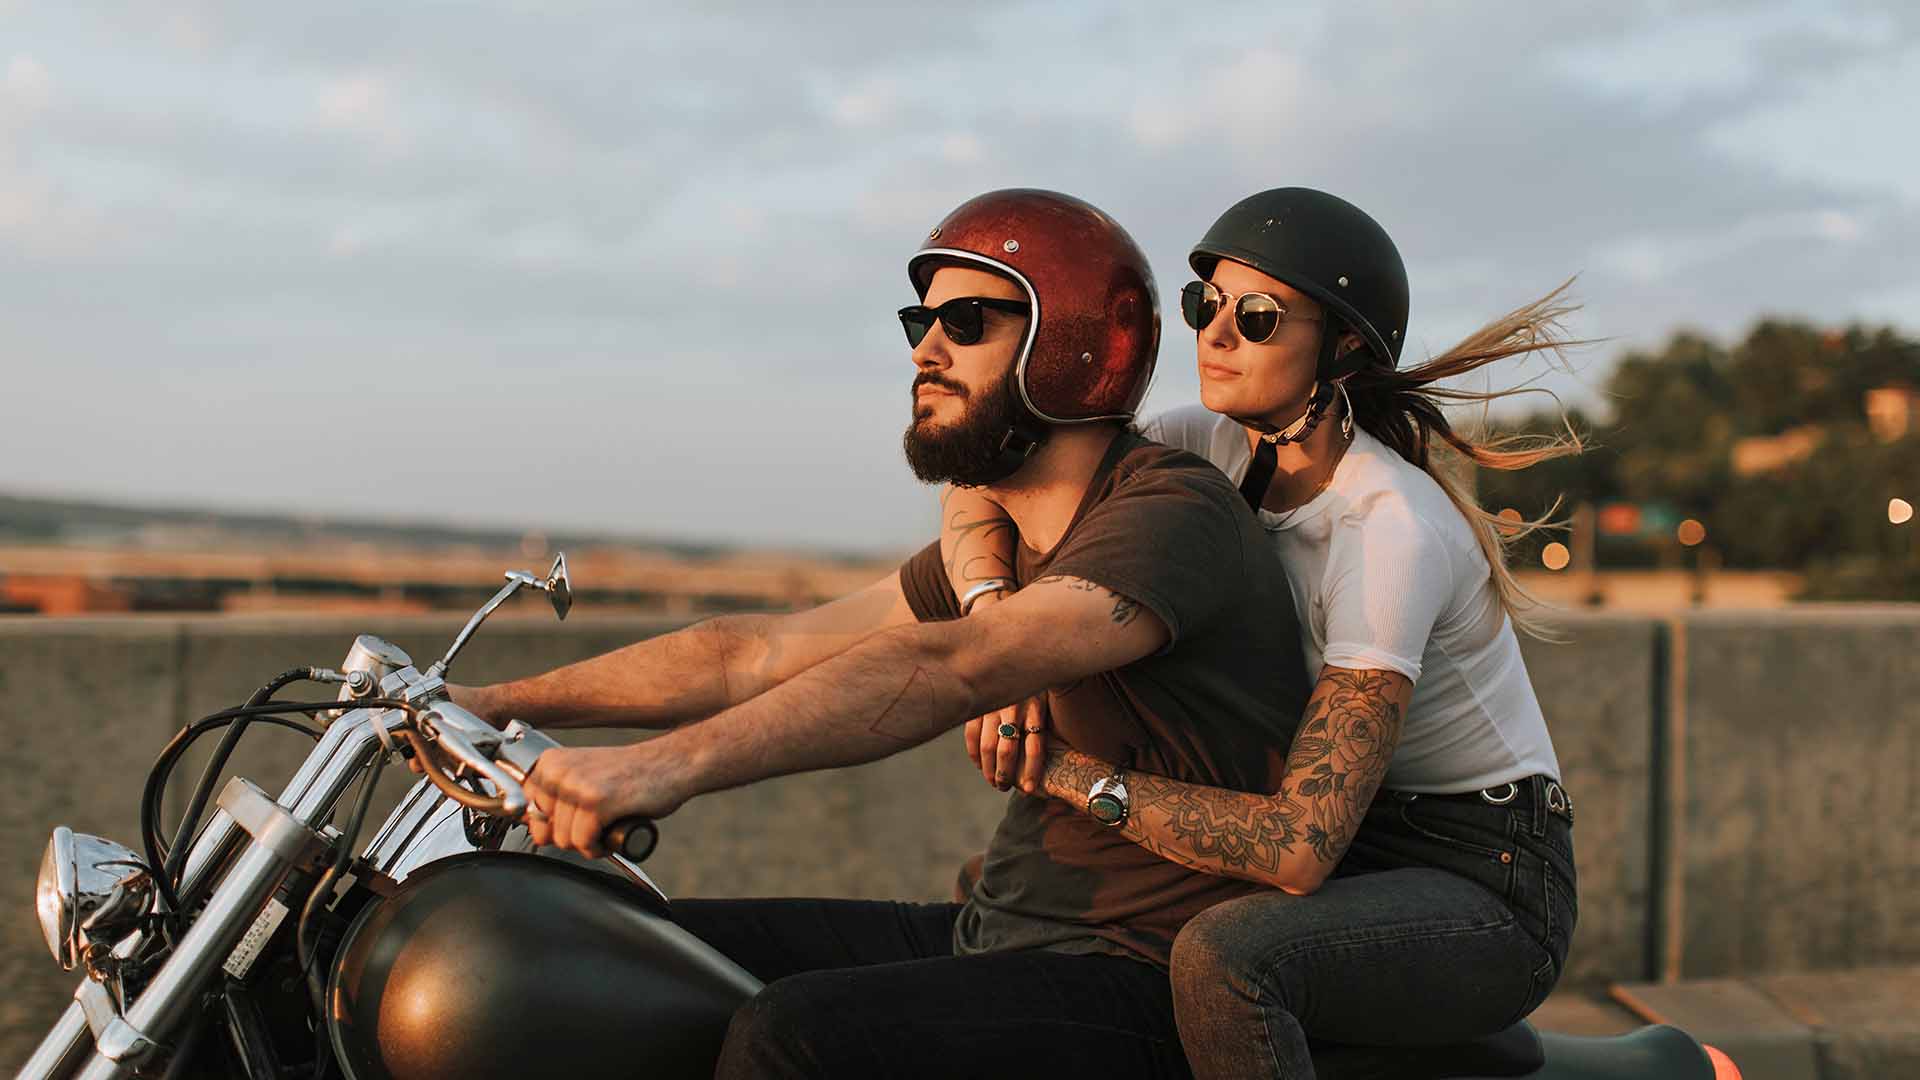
x=259 y=945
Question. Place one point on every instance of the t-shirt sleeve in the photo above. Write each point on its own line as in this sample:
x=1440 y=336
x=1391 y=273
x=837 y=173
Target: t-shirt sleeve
x=1181 y=429
x=1389 y=577
x=1166 y=540
x=923 y=578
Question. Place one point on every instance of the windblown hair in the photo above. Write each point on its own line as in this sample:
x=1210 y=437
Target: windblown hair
x=1402 y=408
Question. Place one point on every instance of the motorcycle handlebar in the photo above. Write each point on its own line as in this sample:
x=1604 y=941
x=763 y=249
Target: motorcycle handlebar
x=632 y=837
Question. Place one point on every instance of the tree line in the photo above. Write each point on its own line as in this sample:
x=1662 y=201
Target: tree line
x=1680 y=418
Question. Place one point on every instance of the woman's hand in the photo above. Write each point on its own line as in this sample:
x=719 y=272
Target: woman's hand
x=1003 y=760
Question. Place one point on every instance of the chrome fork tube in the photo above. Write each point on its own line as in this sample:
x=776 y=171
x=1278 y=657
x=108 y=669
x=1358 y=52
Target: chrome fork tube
x=62 y=1050
x=66 y=1046
x=170 y=996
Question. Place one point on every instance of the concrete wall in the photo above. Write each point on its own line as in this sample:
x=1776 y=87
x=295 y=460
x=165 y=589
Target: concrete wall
x=1745 y=786
x=1796 y=792
x=1598 y=689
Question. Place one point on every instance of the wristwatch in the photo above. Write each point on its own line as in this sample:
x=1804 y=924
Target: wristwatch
x=1107 y=801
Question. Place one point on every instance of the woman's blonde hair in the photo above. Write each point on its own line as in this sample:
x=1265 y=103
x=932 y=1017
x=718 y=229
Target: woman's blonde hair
x=1402 y=407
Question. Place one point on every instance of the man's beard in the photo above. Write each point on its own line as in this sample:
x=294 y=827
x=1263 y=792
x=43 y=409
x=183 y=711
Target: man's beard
x=968 y=451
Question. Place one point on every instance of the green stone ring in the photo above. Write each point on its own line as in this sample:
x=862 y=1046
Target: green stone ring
x=1008 y=731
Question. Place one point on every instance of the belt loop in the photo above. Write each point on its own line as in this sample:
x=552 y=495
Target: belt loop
x=1537 y=787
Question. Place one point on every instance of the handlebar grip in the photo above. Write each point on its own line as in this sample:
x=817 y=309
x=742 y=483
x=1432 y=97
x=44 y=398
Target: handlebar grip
x=633 y=837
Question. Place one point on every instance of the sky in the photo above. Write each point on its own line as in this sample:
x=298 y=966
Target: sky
x=633 y=267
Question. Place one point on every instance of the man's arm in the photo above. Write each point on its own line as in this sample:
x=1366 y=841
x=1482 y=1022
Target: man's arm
x=692 y=673
x=890 y=691
x=1291 y=839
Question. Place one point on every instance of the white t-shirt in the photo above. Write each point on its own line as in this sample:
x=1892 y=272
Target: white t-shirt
x=1386 y=574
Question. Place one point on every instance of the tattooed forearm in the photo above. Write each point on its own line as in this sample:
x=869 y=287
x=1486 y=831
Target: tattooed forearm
x=1214 y=830
x=1070 y=772
x=1220 y=831
x=1341 y=753
x=904 y=718
x=1290 y=839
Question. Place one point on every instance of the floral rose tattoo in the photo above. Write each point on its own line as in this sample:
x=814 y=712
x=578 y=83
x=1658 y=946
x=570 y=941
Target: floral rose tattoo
x=1340 y=755
x=1336 y=765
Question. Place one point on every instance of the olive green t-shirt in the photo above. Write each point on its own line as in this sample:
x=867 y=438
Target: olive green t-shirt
x=1217 y=706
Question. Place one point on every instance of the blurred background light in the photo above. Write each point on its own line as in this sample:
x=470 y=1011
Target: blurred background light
x=1555 y=556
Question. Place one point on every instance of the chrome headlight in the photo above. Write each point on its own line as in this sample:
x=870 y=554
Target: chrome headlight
x=53 y=895
x=90 y=890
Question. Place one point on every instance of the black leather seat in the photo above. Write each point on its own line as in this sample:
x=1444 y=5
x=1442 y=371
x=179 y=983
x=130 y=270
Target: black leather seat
x=1521 y=1053
x=1515 y=1052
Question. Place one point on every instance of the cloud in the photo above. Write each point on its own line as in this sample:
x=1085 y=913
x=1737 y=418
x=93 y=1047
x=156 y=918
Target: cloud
x=350 y=102
x=694 y=224
x=26 y=82
x=1653 y=258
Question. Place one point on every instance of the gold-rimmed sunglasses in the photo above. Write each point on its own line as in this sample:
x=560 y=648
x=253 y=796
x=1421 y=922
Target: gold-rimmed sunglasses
x=1257 y=316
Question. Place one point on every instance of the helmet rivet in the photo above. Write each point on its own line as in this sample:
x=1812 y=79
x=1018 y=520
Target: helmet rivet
x=1011 y=246
x=1396 y=335
x=1343 y=281
x=1086 y=358
x=935 y=234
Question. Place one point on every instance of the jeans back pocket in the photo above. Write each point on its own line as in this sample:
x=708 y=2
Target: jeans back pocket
x=1475 y=842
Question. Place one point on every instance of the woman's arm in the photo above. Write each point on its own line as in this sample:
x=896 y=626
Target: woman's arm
x=1291 y=839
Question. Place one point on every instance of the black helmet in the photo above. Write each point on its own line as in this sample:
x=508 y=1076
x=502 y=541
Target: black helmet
x=1327 y=248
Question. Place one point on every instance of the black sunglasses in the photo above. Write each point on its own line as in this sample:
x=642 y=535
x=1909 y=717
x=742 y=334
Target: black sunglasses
x=961 y=318
x=1256 y=316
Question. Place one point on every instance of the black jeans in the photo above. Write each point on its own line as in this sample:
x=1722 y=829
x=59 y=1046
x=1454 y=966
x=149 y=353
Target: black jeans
x=860 y=988
x=1448 y=919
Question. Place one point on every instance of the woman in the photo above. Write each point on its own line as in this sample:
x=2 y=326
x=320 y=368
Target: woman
x=1419 y=843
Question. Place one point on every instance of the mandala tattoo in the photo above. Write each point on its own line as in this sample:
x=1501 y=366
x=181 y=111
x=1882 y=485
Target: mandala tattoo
x=1228 y=829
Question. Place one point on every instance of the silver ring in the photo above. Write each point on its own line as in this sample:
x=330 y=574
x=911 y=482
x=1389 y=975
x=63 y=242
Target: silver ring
x=1008 y=731
x=1513 y=790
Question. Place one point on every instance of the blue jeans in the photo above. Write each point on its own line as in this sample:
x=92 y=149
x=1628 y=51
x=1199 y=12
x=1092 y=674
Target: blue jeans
x=1449 y=919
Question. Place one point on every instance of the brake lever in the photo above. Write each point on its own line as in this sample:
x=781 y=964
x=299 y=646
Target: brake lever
x=632 y=838
x=513 y=798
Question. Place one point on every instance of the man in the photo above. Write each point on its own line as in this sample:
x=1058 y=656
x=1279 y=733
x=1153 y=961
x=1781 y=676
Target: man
x=1145 y=593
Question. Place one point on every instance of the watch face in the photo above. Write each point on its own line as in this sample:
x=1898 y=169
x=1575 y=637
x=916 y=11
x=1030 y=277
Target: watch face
x=1106 y=809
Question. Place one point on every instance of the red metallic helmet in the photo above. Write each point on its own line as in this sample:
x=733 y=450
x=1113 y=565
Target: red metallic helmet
x=1095 y=330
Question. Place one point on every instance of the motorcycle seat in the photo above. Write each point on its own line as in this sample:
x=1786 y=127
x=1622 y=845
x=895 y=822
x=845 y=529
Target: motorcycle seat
x=1655 y=1050
x=1522 y=1053
x=1513 y=1052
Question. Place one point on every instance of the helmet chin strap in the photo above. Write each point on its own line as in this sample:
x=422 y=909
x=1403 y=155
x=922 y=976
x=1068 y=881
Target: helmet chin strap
x=1016 y=446
x=1316 y=411
x=1022 y=438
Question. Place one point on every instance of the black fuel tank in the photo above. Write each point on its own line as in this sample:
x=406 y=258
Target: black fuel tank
x=512 y=965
